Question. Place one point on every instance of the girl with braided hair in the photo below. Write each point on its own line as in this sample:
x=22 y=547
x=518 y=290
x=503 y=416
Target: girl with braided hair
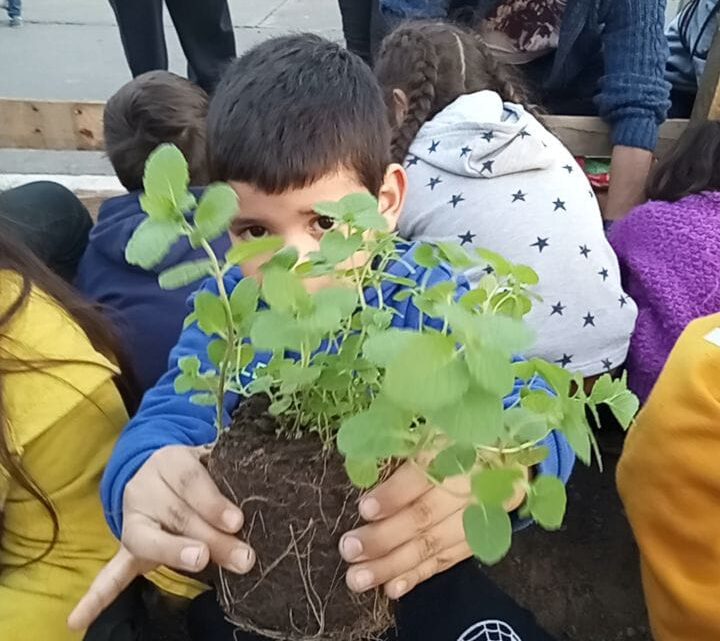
x=484 y=171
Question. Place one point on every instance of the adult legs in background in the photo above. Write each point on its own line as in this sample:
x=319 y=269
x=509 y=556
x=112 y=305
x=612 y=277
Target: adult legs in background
x=14 y=9
x=141 y=31
x=50 y=220
x=124 y=620
x=364 y=27
x=204 y=28
x=462 y=604
x=207 y=37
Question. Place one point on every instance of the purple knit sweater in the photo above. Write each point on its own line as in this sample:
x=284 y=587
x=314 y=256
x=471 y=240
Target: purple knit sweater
x=669 y=257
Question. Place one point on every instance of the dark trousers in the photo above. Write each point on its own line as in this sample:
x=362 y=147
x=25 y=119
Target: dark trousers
x=364 y=27
x=204 y=28
x=50 y=220
x=461 y=604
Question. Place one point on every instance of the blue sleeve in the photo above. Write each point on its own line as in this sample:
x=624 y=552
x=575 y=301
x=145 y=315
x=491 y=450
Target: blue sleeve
x=164 y=418
x=634 y=96
x=415 y=8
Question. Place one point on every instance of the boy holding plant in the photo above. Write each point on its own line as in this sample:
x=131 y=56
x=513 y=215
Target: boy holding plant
x=295 y=122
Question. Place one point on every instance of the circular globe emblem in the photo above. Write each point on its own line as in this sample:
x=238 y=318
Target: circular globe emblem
x=489 y=631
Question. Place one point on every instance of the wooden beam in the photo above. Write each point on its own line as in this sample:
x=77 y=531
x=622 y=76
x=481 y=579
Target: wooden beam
x=590 y=136
x=707 y=101
x=51 y=124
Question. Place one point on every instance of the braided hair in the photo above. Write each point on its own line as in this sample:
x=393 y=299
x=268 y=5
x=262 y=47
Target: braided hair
x=433 y=64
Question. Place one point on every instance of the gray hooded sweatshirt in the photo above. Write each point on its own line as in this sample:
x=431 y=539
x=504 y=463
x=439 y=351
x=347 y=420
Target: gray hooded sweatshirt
x=487 y=174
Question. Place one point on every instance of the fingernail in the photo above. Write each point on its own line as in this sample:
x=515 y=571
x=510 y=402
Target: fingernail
x=363 y=579
x=398 y=589
x=190 y=557
x=369 y=508
x=351 y=548
x=232 y=519
x=241 y=560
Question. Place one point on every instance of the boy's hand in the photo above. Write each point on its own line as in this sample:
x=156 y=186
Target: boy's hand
x=174 y=515
x=416 y=532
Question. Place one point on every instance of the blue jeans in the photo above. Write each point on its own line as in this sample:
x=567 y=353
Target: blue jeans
x=14 y=8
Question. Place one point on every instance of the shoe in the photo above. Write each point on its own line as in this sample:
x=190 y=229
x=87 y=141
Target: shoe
x=16 y=22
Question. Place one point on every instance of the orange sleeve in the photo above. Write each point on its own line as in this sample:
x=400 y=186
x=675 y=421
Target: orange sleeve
x=669 y=481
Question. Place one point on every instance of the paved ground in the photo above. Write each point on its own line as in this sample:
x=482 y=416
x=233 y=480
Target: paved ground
x=70 y=49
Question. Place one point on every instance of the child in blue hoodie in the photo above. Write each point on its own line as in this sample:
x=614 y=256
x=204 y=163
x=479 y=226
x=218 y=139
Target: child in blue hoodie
x=154 y=108
x=298 y=120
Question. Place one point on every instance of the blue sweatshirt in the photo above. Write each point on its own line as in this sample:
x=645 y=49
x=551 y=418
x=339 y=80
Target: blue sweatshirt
x=149 y=319
x=166 y=418
x=633 y=94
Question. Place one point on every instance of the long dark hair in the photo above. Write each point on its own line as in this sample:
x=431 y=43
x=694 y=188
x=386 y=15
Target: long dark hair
x=32 y=273
x=693 y=166
x=434 y=63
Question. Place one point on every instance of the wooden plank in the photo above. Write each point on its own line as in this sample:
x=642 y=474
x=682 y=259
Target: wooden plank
x=590 y=136
x=707 y=102
x=51 y=124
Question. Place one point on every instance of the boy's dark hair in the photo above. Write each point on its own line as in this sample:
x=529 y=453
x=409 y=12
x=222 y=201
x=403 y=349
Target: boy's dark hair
x=294 y=109
x=693 y=166
x=434 y=63
x=154 y=108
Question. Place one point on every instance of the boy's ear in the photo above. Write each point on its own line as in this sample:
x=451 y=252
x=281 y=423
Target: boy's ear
x=392 y=194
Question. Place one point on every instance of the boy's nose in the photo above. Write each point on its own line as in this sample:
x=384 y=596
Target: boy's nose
x=304 y=244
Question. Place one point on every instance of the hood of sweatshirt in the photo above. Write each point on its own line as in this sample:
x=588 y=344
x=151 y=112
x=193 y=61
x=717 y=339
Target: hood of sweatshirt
x=479 y=136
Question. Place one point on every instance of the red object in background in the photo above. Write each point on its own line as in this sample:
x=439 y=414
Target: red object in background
x=598 y=172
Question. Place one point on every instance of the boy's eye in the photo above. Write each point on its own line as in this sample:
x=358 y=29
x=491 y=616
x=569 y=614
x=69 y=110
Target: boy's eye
x=256 y=231
x=325 y=223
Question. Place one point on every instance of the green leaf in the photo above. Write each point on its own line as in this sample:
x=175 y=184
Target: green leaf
x=524 y=426
x=453 y=461
x=575 y=427
x=211 y=318
x=533 y=456
x=336 y=248
x=491 y=369
x=261 y=385
x=184 y=274
x=455 y=255
x=205 y=399
x=218 y=206
x=525 y=275
x=473 y=298
x=342 y=299
x=286 y=259
x=426 y=374
x=624 y=407
x=274 y=330
x=151 y=241
x=547 y=501
x=190 y=365
x=427 y=256
x=189 y=320
x=383 y=347
x=475 y=418
x=284 y=291
x=505 y=334
x=362 y=473
x=216 y=351
x=296 y=375
x=280 y=406
x=494 y=487
x=247 y=250
x=166 y=183
x=500 y=265
x=557 y=377
x=244 y=299
x=380 y=432
x=488 y=532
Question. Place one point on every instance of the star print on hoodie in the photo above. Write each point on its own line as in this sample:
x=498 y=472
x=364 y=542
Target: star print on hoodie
x=487 y=174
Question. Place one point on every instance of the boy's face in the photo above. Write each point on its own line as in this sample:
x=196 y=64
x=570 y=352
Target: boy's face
x=291 y=215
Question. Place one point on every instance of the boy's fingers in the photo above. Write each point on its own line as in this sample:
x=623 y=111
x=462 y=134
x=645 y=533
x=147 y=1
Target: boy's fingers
x=181 y=469
x=225 y=549
x=120 y=571
x=376 y=540
x=403 y=584
x=404 y=486
x=422 y=552
x=144 y=538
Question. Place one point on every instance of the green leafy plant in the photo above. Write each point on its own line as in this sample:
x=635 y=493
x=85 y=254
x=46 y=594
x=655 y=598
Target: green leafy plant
x=334 y=365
